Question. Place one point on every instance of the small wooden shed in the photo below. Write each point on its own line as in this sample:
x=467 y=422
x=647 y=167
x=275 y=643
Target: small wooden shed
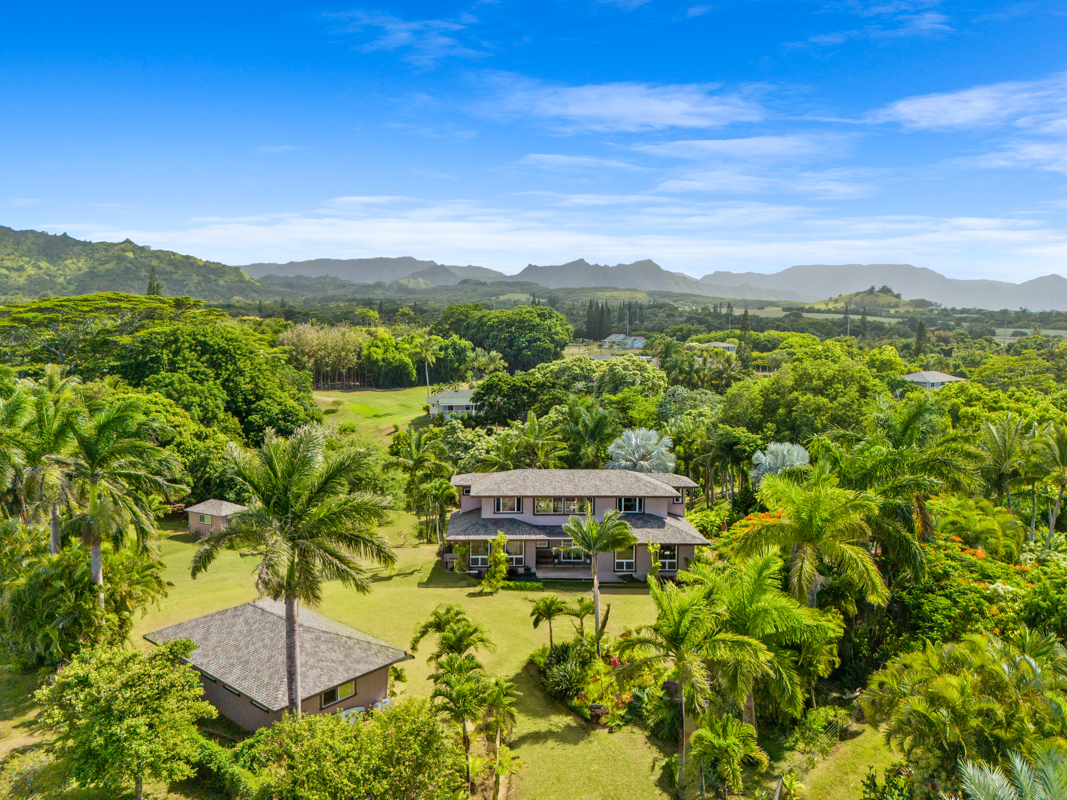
x=211 y=516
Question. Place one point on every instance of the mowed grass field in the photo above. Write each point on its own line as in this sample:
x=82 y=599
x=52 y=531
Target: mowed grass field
x=375 y=411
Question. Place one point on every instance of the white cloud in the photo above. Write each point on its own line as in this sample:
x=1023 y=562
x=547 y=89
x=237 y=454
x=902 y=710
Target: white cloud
x=556 y=161
x=424 y=42
x=699 y=11
x=20 y=202
x=751 y=148
x=1024 y=103
x=838 y=184
x=619 y=107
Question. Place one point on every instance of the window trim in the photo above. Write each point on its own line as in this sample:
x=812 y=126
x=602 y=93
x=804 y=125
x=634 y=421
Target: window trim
x=553 y=513
x=664 y=561
x=204 y=519
x=466 y=491
x=631 y=561
x=639 y=505
x=230 y=689
x=680 y=498
x=336 y=690
x=577 y=501
x=567 y=554
x=260 y=706
x=519 y=559
x=482 y=560
x=497 y=508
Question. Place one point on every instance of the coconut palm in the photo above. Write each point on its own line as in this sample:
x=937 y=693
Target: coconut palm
x=641 y=450
x=582 y=608
x=438 y=496
x=499 y=715
x=539 y=443
x=116 y=471
x=305 y=523
x=462 y=696
x=588 y=428
x=426 y=350
x=775 y=458
x=45 y=481
x=461 y=637
x=688 y=637
x=590 y=538
x=1003 y=440
x=1041 y=777
x=723 y=744
x=794 y=635
x=821 y=526
x=546 y=609
x=1051 y=452
x=440 y=620
x=504 y=453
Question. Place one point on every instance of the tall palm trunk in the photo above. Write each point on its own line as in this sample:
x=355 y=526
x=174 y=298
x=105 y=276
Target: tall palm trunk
x=550 y=644
x=496 y=771
x=1033 y=511
x=292 y=653
x=91 y=537
x=681 y=743
x=596 y=602
x=467 y=751
x=748 y=712
x=426 y=364
x=56 y=538
x=1055 y=515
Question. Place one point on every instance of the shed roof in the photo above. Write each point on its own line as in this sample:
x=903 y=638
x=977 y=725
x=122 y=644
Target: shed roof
x=244 y=647
x=461 y=396
x=931 y=376
x=216 y=508
x=466 y=526
x=571 y=482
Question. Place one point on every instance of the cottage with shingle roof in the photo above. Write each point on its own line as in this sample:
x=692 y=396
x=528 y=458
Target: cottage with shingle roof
x=931 y=378
x=240 y=655
x=211 y=516
x=530 y=506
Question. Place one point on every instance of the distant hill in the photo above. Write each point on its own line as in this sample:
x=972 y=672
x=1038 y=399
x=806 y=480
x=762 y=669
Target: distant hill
x=872 y=300
x=648 y=276
x=826 y=280
x=374 y=270
x=32 y=262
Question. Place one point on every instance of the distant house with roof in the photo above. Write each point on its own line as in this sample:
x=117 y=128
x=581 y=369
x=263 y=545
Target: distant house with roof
x=931 y=378
x=240 y=655
x=531 y=506
x=456 y=402
x=722 y=346
x=211 y=516
x=622 y=340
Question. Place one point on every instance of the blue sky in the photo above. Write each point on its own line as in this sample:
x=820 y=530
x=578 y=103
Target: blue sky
x=741 y=134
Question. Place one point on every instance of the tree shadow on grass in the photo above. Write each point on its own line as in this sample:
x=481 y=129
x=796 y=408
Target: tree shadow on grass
x=186 y=537
x=380 y=577
x=535 y=705
x=439 y=579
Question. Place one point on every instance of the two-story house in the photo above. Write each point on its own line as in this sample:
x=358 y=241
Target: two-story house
x=531 y=505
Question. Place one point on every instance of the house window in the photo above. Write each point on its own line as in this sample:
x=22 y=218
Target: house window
x=578 y=505
x=205 y=519
x=548 y=505
x=466 y=491
x=339 y=693
x=624 y=559
x=668 y=557
x=681 y=496
x=509 y=505
x=515 y=552
x=479 y=556
x=569 y=553
x=631 y=505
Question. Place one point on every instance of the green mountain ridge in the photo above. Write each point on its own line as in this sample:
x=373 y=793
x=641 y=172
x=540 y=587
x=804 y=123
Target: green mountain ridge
x=33 y=263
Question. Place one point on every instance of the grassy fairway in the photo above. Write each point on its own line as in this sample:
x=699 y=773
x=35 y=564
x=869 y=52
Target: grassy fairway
x=375 y=411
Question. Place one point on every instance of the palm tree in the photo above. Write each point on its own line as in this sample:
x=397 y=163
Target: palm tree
x=641 y=450
x=581 y=609
x=540 y=445
x=1051 y=451
x=776 y=458
x=1042 y=777
x=306 y=525
x=547 y=609
x=15 y=415
x=724 y=744
x=45 y=483
x=820 y=525
x=418 y=457
x=427 y=349
x=462 y=695
x=1003 y=440
x=439 y=496
x=488 y=363
x=500 y=715
x=590 y=537
x=116 y=471
x=688 y=636
x=589 y=428
x=504 y=453
x=750 y=592
x=460 y=638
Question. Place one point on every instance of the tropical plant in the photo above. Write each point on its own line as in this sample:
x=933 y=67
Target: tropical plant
x=442 y=618
x=499 y=715
x=723 y=744
x=582 y=608
x=641 y=450
x=426 y=350
x=775 y=458
x=1043 y=776
x=116 y=473
x=590 y=538
x=546 y=609
x=822 y=527
x=1003 y=441
x=306 y=522
x=462 y=696
x=689 y=637
x=588 y=429
x=120 y=715
x=1051 y=451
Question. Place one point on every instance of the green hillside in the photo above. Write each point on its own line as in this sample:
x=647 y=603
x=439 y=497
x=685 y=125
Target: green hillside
x=884 y=299
x=32 y=263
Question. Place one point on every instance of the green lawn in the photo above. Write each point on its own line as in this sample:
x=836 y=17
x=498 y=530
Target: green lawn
x=375 y=411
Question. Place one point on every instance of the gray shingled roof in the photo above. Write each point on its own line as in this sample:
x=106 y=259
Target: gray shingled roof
x=469 y=526
x=567 y=483
x=931 y=376
x=457 y=397
x=216 y=508
x=244 y=647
